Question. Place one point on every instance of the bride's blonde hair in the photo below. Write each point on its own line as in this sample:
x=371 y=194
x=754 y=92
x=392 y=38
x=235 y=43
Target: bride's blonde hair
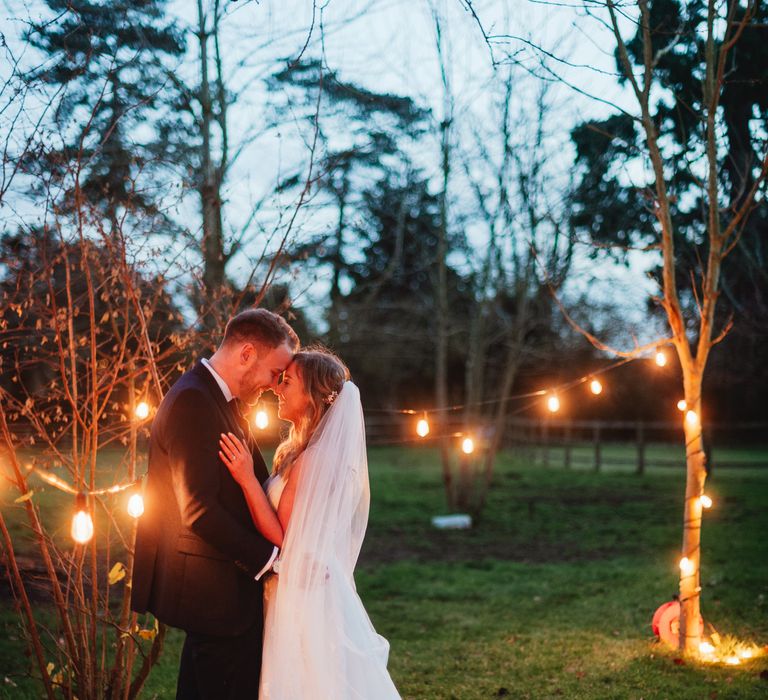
x=323 y=375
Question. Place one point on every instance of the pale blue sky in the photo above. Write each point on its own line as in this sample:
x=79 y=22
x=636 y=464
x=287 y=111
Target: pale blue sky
x=389 y=45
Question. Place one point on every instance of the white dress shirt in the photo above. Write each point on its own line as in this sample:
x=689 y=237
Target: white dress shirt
x=228 y=396
x=222 y=384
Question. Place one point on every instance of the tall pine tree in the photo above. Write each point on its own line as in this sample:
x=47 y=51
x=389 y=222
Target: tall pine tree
x=108 y=61
x=365 y=136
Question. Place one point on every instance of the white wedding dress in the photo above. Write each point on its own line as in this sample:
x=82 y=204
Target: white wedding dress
x=274 y=487
x=319 y=643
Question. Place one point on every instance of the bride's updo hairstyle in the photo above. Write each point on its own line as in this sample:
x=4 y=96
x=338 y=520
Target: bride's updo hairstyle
x=322 y=375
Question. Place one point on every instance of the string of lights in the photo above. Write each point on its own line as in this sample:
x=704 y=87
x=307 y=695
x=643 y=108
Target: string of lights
x=423 y=427
x=82 y=528
x=595 y=386
x=82 y=523
x=455 y=407
x=59 y=483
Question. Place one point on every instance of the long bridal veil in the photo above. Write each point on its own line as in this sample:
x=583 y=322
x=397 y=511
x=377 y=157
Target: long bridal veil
x=319 y=640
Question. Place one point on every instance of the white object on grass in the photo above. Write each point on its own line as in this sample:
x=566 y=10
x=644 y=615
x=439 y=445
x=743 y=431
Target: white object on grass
x=458 y=521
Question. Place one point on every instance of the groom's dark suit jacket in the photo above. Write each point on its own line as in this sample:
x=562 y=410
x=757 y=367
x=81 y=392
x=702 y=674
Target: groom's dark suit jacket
x=197 y=550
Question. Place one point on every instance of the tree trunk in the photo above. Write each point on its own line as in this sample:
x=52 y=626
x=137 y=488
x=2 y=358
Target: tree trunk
x=500 y=420
x=696 y=474
x=209 y=189
x=441 y=337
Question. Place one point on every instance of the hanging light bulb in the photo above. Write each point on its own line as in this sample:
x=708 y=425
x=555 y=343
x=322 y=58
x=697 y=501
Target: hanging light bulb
x=468 y=446
x=82 y=523
x=422 y=427
x=682 y=404
x=596 y=387
x=261 y=419
x=706 y=501
x=553 y=403
x=142 y=410
x=136 y=505
x=692 y=418
x=687 y=567
x=661 y=358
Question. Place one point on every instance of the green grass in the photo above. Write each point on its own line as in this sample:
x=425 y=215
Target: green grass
x=549 y=596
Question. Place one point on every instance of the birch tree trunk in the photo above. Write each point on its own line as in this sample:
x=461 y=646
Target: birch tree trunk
x=696 y=474
x=692 y=354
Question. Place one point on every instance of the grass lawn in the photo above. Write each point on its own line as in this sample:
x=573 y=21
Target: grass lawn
x=549 y=596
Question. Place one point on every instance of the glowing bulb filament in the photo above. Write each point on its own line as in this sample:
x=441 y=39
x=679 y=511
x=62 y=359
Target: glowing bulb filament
x=692 y=418
x=746 y=654
x=136 y=505
x=82 y=527
x=261 y=420
x=553 y=404
x=687 y=567
x=596 y=387
x=682 y=404
x=422 y=427
x=468 y=446
x=706 y=648
x=142 y=410
x=661 y=358
x=706 y=501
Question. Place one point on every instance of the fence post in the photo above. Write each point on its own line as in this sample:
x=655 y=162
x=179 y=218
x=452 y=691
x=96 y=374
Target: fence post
x=640 y=448
x=568 y=443
x=596 y=441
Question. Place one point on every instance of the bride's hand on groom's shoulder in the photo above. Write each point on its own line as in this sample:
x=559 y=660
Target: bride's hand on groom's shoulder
x=236 y=457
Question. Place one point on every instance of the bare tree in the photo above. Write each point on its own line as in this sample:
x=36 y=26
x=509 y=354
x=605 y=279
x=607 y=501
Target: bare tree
x=85 y=339
x=20 y=126
x=89 y=340
x=722 y=235
x=211 y=135
x=524 y=209
x=508 y=167
x=693 y=332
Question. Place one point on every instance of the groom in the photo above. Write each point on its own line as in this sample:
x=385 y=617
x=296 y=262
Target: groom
x=199 y=559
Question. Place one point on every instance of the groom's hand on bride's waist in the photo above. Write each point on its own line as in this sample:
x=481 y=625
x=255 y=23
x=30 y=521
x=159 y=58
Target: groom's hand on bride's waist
x=268 y=567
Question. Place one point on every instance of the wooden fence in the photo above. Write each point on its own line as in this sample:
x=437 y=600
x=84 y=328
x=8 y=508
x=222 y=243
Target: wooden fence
x=595 y=444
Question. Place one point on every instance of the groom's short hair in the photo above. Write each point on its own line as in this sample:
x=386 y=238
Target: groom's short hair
x=260 y=327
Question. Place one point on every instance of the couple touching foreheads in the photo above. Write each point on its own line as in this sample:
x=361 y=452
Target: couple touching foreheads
x=258 y=569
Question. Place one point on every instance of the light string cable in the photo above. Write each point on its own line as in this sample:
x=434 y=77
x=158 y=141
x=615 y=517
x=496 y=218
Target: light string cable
x=403 y=440
x=513 y=397
x=82 y=524
x=59 y=483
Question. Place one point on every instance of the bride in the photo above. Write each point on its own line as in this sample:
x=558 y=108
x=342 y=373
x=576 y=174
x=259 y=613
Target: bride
x=318 y=640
